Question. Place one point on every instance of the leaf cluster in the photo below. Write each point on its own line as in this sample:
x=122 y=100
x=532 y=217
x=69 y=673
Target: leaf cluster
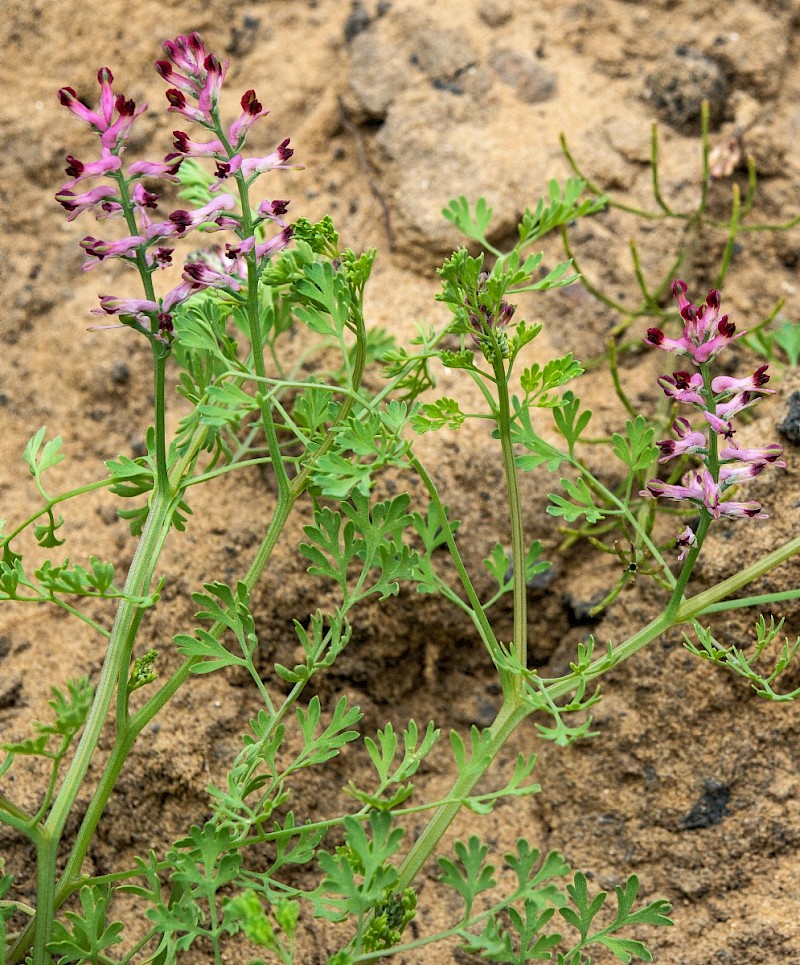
x=515 y=929
x=744 y=665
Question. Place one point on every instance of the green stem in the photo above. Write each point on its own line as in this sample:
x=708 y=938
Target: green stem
x=484 y=627
x=115 y=666
x=517 y=531
x=160 y=354
x=46 y=856
x=506 y=722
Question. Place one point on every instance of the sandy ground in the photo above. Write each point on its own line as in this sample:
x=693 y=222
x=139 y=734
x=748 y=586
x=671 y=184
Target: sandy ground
x=393 y=109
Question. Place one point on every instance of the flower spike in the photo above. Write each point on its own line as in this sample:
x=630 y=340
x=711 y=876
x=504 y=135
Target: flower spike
x=706 y=332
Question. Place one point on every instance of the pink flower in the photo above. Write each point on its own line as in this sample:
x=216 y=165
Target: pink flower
x=705 y=331
x=688 y=441
x=732 y=473
x=78 y=203
x=185 y=146
x=275 y=161
x=111 y=305
x=751 y=510
x=264 y=250
x=101 y=250
x=225 y=169
x=686 y=540
x=166 y=169
x=770 y=454
x=112 y=130
x=181 y=221
x=202 y=75
x=198 y=272
x=697 y=486
x=273 y=210
x=79 y=171
x=683 y=387
x=755 y=383
x=179 y=104
x=719 y=419
x=251 y=112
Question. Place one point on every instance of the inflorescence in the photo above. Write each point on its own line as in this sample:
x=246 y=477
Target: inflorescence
x=197 y=76
x=723 y=464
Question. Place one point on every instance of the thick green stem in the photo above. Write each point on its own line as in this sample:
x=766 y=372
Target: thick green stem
x=115 y=666
x=517 y=533
x=46 y=855
x=507 y=721
x=160 y=354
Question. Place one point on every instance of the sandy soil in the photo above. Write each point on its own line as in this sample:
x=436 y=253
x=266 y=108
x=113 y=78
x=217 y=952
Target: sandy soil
x=394 y=108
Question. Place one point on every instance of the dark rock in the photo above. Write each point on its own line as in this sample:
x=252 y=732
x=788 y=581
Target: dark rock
x=531 y=82
x=709 y=809
x=357 y=22
x=243 y=38
x=391 y=56
x=579 y=612
x=790 y=427
x=11 y=692
x=494 y=13
x=679 y=85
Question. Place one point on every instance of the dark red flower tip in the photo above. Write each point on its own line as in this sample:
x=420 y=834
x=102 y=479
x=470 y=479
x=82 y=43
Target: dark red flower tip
x=75 y=168
x=176 y=159
x=104 y=76
x=283 y=151
x=212 y=64
x=182 y=219
x=165 y=322
x=713 y=299
x=176 y=98
x=682 y=379
x=64 y=198
x=760 y=376
x=678 y=288
x=726 y=328
x=163 y=68
x=689 y=313
x=194 y=270
x=66 y=95
x=250 y=103
x=126 y=108
x=654 y=336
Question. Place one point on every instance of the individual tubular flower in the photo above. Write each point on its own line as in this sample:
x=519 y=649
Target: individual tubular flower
x=79 y=171
x=96 y=248
x=167 y=169
x=683 y=387
x=686 y=540
x=78 y=203
x=181 y=221
x=770 y=454
x=272 y=162
x=720 y=399
x=688 y=441
x=755 y=383
x=720 y=418
x=251 y=112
